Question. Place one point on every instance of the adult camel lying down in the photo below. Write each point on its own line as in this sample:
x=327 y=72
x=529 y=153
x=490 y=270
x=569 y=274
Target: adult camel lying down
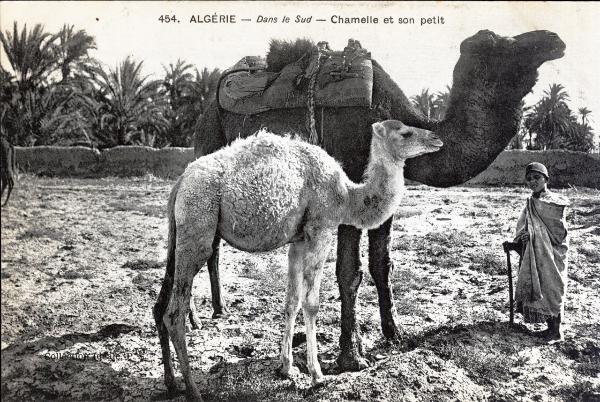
x=262 y=193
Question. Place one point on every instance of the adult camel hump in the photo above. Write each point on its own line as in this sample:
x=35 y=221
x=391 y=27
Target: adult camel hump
x=491 y=77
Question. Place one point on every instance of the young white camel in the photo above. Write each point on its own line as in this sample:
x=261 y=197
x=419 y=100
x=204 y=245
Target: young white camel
x=261 y=193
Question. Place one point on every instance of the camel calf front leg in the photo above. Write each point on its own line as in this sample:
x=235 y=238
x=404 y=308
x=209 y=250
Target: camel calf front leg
x=218 y=304
x=306 y=260
x=314 y=259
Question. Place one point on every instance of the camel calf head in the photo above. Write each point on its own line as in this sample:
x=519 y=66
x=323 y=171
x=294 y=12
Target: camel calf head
x=402 y=142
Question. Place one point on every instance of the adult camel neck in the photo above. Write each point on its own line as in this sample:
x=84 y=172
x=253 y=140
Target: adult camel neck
x=481 y=119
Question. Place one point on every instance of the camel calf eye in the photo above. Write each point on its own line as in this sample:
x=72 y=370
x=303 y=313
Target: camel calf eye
x=407 y=134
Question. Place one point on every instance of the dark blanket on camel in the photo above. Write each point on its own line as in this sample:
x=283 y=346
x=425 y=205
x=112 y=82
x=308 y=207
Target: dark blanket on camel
x=332 y=79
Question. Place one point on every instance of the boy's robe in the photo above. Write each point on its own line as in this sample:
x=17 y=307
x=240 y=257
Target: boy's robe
x=542 y=280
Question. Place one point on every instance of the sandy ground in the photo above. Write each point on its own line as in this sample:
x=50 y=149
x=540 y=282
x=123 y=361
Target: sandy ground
x=83 y=260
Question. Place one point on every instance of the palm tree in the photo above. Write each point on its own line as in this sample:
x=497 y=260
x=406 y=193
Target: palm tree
x=518 y=140
x=580 y=138
x=440 y=103
x=584 y=112
x=40 y=116
x=176 y=84
x=30 y=105
x=195 y=97
x=30 y=55
x=9 y=108
x=36 y=110
x=177 y=78
x=557 y=93
x=424 y=102
x=550 y=119
x=126 y=107
x=204 y=87
x=71 y=49
x=53 y=119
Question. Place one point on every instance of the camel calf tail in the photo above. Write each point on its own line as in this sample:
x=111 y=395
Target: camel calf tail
x=165 y=293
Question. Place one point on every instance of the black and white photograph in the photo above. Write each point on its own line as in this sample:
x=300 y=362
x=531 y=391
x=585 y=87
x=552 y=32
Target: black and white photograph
x=300 y=201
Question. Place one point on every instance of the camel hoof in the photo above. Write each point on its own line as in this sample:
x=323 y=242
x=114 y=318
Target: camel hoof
x=194 y=323
x=220 y=314
x=172 y=388
x=391 y=332
x=352 y=362
x=192 y=393
x=288 y=373
x=318 y=382
x=542 y=334
x=194 y=396
x=554 y=338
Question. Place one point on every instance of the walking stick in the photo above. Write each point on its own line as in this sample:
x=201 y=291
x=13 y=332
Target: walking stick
x=508 y=247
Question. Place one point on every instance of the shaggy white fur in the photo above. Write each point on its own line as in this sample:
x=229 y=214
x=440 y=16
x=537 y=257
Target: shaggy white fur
x=263 y=192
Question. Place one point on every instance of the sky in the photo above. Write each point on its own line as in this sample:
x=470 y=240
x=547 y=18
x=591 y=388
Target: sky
x=415 y=55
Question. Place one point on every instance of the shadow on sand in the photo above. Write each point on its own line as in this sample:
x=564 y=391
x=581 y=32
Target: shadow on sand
x=37 y=370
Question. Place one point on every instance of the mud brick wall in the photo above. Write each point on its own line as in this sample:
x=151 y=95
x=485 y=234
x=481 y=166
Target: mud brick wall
x=137 y=161
x=58 y=161
x=118 y=161
x=566 y=168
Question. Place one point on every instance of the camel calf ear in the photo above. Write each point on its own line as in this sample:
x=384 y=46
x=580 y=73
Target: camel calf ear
x=378 y=129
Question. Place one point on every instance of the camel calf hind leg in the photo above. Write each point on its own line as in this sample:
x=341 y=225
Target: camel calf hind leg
x=193 y=315
x=190 y=255
x=159 y=311
x=292 y=304
x=218 y=304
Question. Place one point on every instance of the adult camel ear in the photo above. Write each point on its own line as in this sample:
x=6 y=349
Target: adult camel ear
x=378 y=129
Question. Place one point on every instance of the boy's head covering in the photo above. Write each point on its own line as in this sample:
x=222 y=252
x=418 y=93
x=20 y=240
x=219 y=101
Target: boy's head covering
x=536 y=167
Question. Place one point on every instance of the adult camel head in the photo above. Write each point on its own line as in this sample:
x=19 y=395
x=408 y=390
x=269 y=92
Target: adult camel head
x=490 y=79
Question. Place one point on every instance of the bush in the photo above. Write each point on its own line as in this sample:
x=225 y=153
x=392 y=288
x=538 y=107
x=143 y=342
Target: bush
x=491 y=264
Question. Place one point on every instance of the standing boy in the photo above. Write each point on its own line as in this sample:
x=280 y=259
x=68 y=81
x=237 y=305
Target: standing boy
x=542 y=281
